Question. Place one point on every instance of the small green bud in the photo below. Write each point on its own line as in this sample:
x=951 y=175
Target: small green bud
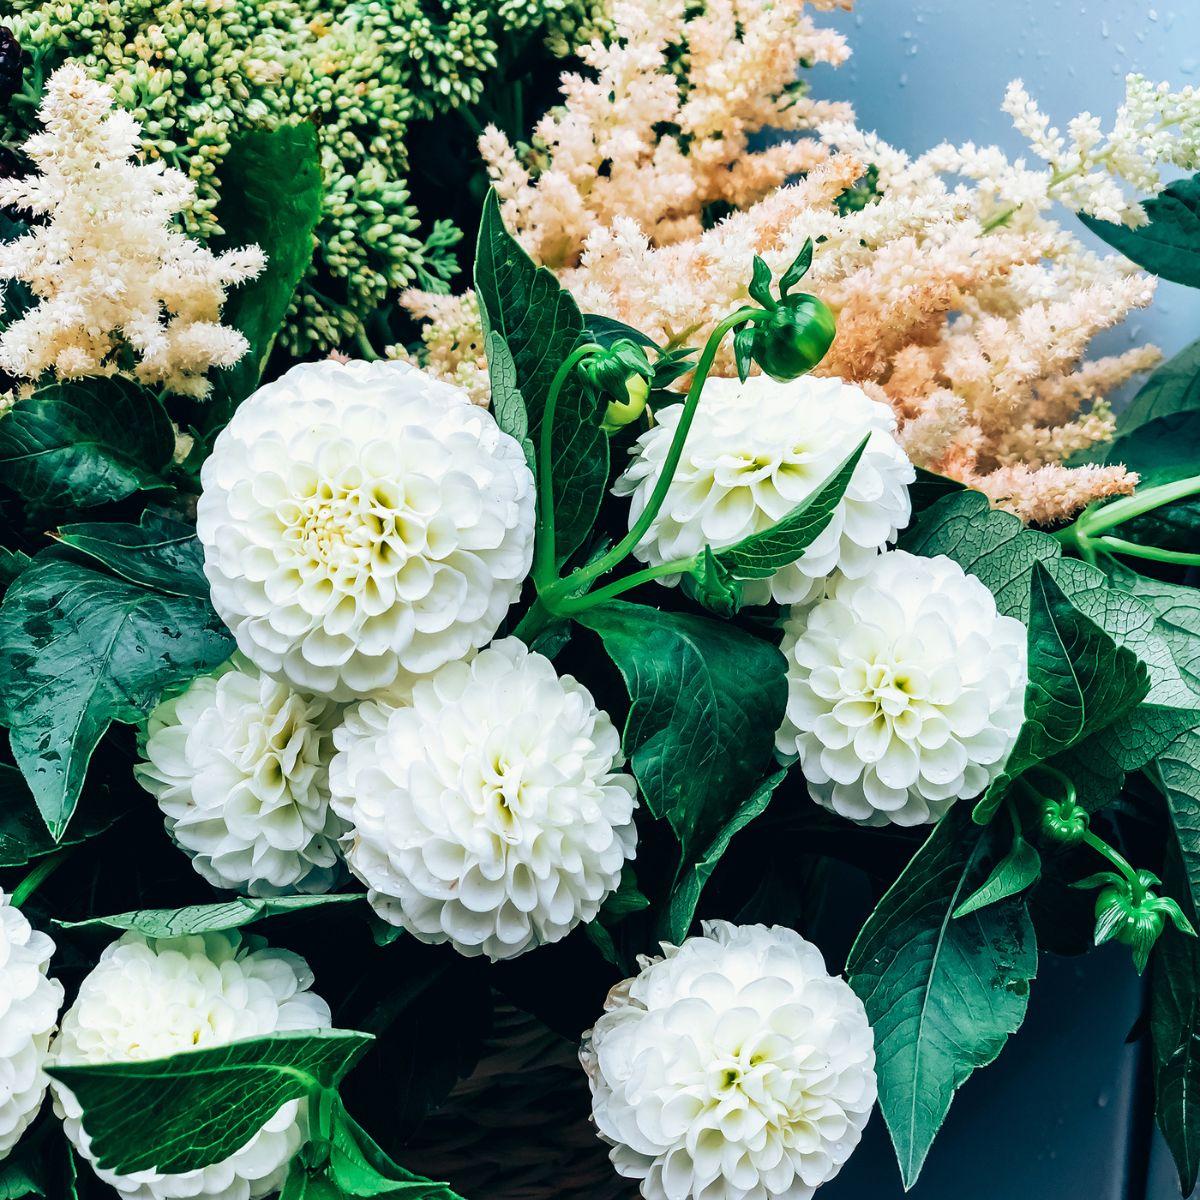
x=623 y=373
x=1133 y=913
x=1064 y=821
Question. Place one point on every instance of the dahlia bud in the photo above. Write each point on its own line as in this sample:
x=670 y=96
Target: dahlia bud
x=792 y=333
x=11 y=63
x=623 y=374
x=1064 y=821
x=791 y=339
x=1130 y=911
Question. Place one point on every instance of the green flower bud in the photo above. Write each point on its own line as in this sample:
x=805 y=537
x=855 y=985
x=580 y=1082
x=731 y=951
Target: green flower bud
x=1133 y=913
x=790 y=339
x=1064 y=821
x=623 y=373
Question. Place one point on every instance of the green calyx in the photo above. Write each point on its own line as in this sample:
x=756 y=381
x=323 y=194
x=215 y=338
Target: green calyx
x=1064 y=821
x=623 y=373
x=790 y=334
x=1128 y=910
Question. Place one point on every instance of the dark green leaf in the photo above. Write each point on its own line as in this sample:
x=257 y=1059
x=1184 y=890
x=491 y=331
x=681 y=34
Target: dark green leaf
x=508 y=405
x=75 y=445
x=360 y=1168
x=190 y=1110
x=1168 y=245
x=762 y=554
x=162 y=552
x=540 y=324
x=685 y=894
x=1173 y=388
x=798 y=269
x=942 y=995
x=272 y=189
x=209 y=918
x=930 y=488
x=1175 y=1038
x=1161 y=449
x=12 y=563
x=985 y=542
x=605 y=330
x=1019 y=868
x=79 y=650
x=23 y=834
x=705 y=701
x=759 y=286
x=1080 y=681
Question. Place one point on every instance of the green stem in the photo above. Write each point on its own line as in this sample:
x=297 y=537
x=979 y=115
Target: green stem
x=579 y=579
x=35 y=878
x=533 y=622
x=1151 y=553
x=1108 y=516
x=364 y=345
x=544 y=566
x=1118 y=860
x=574 y=604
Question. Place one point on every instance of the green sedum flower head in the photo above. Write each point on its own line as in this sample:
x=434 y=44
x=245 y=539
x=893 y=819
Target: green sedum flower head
x=196 y=72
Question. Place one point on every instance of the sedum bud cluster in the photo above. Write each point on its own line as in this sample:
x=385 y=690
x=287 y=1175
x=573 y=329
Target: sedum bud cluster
x=194 y=73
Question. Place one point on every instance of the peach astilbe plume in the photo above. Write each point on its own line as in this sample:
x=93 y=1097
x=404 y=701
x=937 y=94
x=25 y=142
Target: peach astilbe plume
x=961 y=301
x=659 y=129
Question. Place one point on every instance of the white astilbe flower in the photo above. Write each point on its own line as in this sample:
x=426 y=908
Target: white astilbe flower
x=906 y=691
x=150 y=998
x=29 y=1004
x=732 y=1068
x=239 y=764
x=490 y=812
x=363 y=523
x=754 y=452
x=109 y=267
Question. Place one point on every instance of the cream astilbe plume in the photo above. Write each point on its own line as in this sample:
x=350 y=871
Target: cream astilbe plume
x=109 y=268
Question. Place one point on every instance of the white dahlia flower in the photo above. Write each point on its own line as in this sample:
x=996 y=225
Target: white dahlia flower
x=29 y=1004
x=490 y=813
x=754 y=452
x=363 y=522
x=150 y=998
x=239 y=764
x=906 y=690
x=732 y=1068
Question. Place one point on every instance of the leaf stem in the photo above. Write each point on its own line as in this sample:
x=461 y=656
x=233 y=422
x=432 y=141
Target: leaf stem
x=536 y=618
x=544 y=566
x=35 y=878
x=364 y=345
x=1114 y=545
x=579 y=579
x=573 y=604
x=1117 y=859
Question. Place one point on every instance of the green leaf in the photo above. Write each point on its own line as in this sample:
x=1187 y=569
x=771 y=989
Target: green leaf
x=762 y=554
x=605 y=330
x=161 y=552
x=1173 y=388
x=190 y=1110
x=209 y=918
x=272 y=189
x=689 y=883
x=1175 y=1040
x=75 y=445
x=992 y=545
x=1162 y=449
x=360 y=1168
x=928 y=488
x=626 y=900
x=942 y=995
x=798 y=269
x=79 y=650
x=1169 y=244
x=1080 y=681
x=23 y=833
x=1016 y=871
x=540 y=324
x=508 y=405
x=18 y=1181
x=713 y=585
x=12 y=563
x=705 y=701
